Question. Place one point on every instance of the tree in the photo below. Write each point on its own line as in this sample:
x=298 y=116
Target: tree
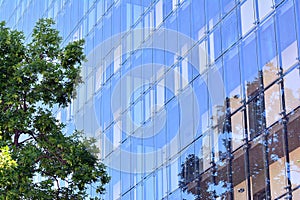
x=190 y=176
x=37 y=160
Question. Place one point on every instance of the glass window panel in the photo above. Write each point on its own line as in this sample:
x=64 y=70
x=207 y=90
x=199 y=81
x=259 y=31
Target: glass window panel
x=158 y=13
x=160 y=140
x=272 y=104
x=90 y=125
x=174 y=4
x=198 y=19
x=287 y=37
x=116 y=19
x=200 y=89
x=149 y=189
x=174 y=168
x=277 y=163
x=99 y=9
x=229 y=31
x=172 y=43
x=175 y=195
x=164 y=181
x=215 y=44
x=277 y=1
x=292 y=91
x=125 y=181
x=148 y=57
x=213 y=12
x=126 y=15
x=79 y=120
x=136 y=12
x=126 y=196
x=268 y=51
x=91 y=19
x=233 y=78
x=177 y=79
x=264 y=7
x=250 y=67
x=187 y=117
x=116 y=135
x=296 y=194
x=293 y=129
x=257 y=173
x=137 y=115
x=138 y=192
x=220 y=141
x=198 y=58
x=116 y=184
x=137 y=164
x=206 y=149
x=227 y=5
x=149 y=147
x=160 y=94
x=184 y=15
x=169 y=78
x=173 y=121
x=167 y=7
x=185 y=69
x=106 y=106
x=216 y=89
x=146 y=3
x=221 y=188
x=162 y=184
x=255 y=117
x=237 y=128
x=239 y=180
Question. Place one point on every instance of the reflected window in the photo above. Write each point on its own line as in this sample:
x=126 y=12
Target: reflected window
x=292 y=91
x=264 y=7
x=247 y=16
x=277 y=162
x=272 y=104
x=255 y=116
x=237 y=128
x=158 y=13
x=250 y=67
x=233 y=78
x=257 y=172
x=268 y=51
x=287 y=38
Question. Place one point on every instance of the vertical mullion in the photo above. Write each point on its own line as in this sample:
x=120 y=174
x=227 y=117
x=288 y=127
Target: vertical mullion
x=262 y=108
x=297 y=24
x=283 y=111
x=228 y=131
x=246 y=133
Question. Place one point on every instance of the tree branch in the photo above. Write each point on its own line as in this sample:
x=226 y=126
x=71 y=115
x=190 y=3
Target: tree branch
x=30 y=138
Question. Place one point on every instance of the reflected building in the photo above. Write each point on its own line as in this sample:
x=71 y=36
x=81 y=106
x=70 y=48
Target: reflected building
x=188 y=99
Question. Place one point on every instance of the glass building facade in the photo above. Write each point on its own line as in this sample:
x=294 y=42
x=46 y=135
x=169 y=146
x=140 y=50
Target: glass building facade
x=188 y=99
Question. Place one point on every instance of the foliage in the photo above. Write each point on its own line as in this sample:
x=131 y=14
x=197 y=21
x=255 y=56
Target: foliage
x=190 y=170
x=37 y=161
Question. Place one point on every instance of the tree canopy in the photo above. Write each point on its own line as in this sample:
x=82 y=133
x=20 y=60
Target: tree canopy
x=37 y=160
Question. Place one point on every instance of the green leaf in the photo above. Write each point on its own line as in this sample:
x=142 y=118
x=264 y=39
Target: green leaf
x=35 y=78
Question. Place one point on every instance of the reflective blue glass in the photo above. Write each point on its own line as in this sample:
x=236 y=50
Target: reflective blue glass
x=167 y=131
x=229 y=31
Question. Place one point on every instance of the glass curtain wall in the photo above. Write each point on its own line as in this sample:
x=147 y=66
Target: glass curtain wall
x=188 y=99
